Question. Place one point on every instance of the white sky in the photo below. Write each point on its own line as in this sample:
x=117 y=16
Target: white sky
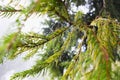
x=32 y=24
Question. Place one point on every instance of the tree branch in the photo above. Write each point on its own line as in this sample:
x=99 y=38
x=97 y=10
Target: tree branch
x=42 y=42
x=59 y=15
x=65 y=6
x=10 y=10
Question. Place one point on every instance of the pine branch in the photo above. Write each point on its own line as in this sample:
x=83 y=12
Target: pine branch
x=33 y=71
x=48 y=38
x=63 y=2
x=73 y=61
x=10 y=10
x=63 y=18
x=65 y=6
x=7 y=9
x=40 y=64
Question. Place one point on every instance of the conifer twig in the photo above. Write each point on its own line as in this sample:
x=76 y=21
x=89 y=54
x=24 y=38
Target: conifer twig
x=10 y=10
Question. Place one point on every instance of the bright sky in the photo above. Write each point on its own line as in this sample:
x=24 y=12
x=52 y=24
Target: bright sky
x=32 y=24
